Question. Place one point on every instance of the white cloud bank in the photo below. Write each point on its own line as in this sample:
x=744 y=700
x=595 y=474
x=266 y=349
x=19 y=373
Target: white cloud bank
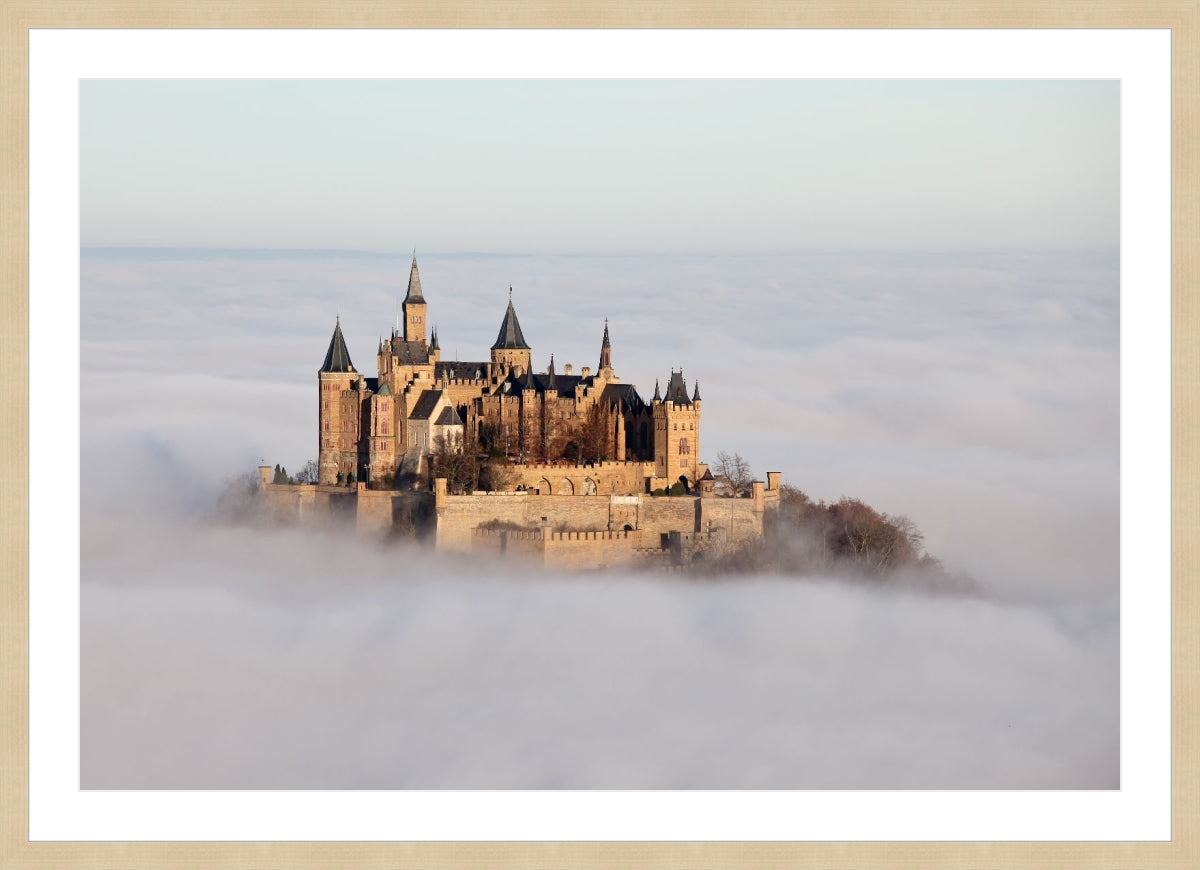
x=229 y=658
x=976 y=395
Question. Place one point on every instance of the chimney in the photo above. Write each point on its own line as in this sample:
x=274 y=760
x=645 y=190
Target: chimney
x=587 y=370
x=568 y=369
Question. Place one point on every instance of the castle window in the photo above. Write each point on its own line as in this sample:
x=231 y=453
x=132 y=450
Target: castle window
x=684 y=447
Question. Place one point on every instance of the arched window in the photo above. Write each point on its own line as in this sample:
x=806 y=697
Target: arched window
x=684 y=446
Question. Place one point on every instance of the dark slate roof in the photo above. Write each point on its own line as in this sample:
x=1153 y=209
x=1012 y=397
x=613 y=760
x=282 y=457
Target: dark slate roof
x=414 y=284
x=372 y=384
x=410 y=353
x=463 y=371
x=677 y=390
x=433 y=342
x=696 y=392
x=565 y=384
x=337 y=358
x=625 y=394
x=423 y=410
x=510 y=336
x=708 y=475
x=448 y=417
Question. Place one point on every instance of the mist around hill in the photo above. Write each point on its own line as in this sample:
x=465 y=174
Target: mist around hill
x=976 y=396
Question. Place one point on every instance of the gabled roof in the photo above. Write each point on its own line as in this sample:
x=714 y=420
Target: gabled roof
x=410 y=353
x=337 y=358
x=625 y=394
x=414 y=285
x=448 y=417
x=426 y=405
x=564 y=384
x=510 y=337
x=384 y=389
x=461 y=371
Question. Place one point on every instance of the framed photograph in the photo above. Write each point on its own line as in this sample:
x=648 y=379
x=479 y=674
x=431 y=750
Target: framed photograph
x=454 y=442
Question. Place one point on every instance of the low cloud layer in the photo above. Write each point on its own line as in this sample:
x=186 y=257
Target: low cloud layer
x=234 y=658
x=976 y=395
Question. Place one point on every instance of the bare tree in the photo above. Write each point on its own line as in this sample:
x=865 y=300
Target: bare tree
x=239 y=498
x=307 y=474
x=496 y=475
x=456 y=462
x=733 y=472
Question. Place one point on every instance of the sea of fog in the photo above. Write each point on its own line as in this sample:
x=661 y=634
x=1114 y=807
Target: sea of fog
x=975 y=394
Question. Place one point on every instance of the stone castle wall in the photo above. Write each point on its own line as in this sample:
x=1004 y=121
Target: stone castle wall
x=621 y=478
x=571 y=551
x=572 y=532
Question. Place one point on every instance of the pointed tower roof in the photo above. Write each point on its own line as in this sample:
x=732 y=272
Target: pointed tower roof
x=606 y=350
x=696 y=392
x=677 y=389
x=414 y=285
x=550 y=382
x=433 y=342
x=510 y=336
x=529 y=382
x=384 y=390
x=657 y=395
x=337 y=358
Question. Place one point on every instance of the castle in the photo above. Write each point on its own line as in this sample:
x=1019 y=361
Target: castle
x=591 y=474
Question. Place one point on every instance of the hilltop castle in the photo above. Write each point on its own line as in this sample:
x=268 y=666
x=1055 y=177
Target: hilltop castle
x=593 y=474
x=385 y=429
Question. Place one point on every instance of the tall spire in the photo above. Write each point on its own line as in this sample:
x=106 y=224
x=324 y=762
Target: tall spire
x=606 y=352
x=337 y=358
x=510 y=330
x=414 y=284
x=550 y=381
x=433 y=342
x=696 y=392
x=657 y=395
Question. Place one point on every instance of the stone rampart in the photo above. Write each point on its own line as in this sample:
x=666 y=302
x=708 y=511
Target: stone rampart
x=598 y=478
x=305 y=503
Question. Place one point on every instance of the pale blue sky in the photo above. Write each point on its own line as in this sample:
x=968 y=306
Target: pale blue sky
x=602 y=166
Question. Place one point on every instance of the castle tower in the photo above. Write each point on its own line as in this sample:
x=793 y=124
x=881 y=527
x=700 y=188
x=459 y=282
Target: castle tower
x=334 y=379
x=606 y=370
x=676 y=432
x=414 y=306
x=510 y=348
x=531 y=417
x=382 y=445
